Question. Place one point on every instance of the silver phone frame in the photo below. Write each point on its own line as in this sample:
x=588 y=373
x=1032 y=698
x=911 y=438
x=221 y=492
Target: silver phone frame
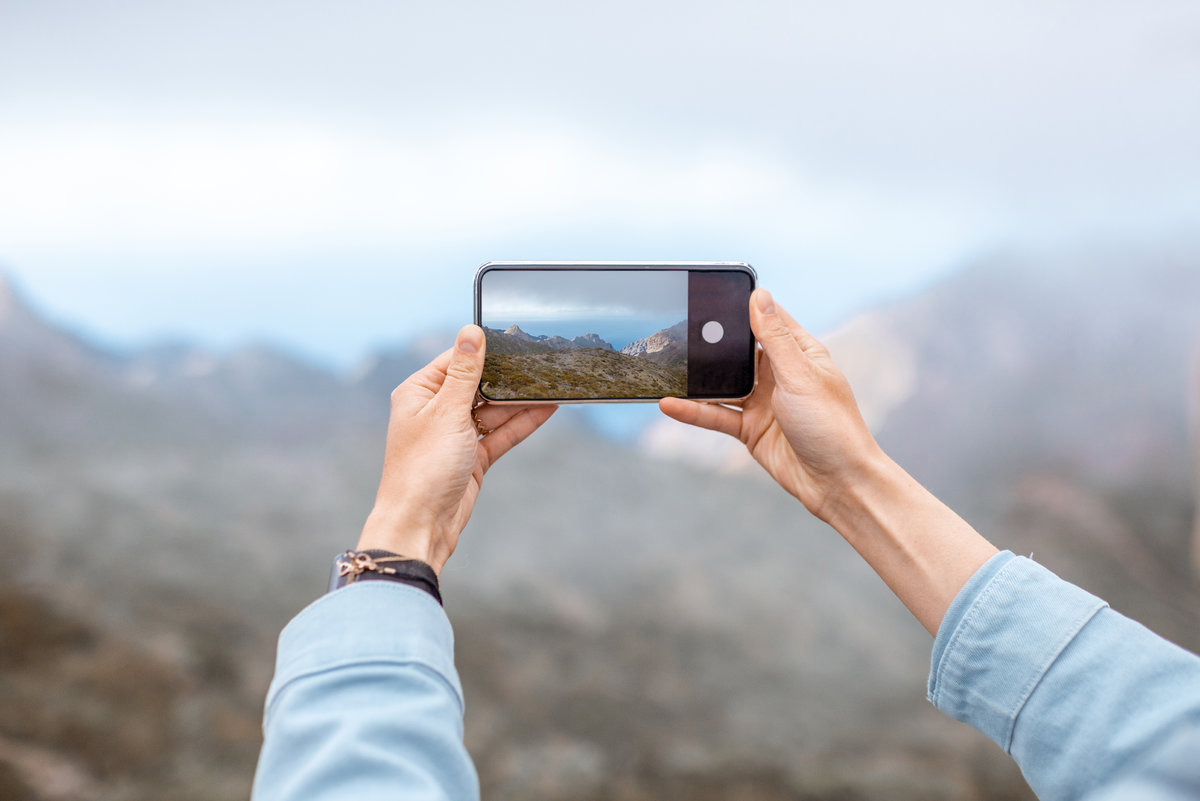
x=612 y=265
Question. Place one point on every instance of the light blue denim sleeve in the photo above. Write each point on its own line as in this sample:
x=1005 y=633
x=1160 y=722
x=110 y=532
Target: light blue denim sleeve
x=1083 y=698
x=366 y=702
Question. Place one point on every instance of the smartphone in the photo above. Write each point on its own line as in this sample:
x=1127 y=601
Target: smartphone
x=585 y=332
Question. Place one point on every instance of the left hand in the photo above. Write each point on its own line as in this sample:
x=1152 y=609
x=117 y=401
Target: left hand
x=435 y=457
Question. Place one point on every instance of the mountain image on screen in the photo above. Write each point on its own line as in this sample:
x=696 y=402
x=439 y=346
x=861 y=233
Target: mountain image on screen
x=522 y=366
x=667 y=347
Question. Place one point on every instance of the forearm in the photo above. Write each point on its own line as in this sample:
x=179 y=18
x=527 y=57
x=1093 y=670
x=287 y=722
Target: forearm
x=921 y=549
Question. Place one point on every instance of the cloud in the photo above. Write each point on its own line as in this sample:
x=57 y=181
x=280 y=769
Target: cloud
x=546 y=295
x=270 y=188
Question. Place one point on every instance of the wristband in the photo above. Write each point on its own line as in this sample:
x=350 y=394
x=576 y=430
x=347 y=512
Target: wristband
x=375 y=565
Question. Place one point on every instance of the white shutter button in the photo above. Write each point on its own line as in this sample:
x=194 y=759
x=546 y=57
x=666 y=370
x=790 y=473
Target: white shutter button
x=712 y=332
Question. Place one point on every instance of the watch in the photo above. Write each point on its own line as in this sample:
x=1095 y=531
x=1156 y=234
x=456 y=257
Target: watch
x=351 y=567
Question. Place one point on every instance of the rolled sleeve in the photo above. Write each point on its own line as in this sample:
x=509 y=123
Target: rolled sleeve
x=366 y=700
x=1074 y=691
x=1012 y=624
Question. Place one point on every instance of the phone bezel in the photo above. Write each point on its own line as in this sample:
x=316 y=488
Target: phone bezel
x=613 y=265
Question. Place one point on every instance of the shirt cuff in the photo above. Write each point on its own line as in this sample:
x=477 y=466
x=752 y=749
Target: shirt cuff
x=377 y=621
x=1002 y=632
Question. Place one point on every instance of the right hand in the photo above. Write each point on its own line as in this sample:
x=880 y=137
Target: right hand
x=801 y=422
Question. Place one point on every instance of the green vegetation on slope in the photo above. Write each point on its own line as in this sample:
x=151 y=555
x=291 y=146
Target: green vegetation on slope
x=583 y=373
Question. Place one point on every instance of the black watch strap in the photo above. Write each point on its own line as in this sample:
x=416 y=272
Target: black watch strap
x=376 y=565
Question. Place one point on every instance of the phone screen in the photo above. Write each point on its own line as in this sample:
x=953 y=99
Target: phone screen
x=573 y=332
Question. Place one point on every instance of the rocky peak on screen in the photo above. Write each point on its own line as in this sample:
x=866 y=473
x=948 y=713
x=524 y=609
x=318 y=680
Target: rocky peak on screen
x=581 y=341
x=666 y=347
x=659 y=340
x=514 y=340
x=515 y=332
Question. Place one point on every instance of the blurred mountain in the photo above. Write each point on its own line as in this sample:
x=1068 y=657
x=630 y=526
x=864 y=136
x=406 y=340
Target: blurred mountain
x=24 y=336
x=1196 y=470
x=40 y=365
x=1079 y=362
x=378 y=374
x=627 y=627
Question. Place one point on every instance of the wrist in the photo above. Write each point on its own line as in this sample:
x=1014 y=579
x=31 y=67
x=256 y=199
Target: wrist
x=388 y=532
x=862 y=483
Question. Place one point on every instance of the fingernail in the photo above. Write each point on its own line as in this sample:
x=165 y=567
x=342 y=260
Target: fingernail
x=766 y=304
x=470 y=339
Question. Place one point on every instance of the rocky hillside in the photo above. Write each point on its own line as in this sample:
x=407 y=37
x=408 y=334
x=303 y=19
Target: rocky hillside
x=580 y=373
x=520 y=365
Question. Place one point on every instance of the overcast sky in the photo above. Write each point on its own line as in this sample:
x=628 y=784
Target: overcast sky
x=565 y=294
x=619 y=306
x=330 y=175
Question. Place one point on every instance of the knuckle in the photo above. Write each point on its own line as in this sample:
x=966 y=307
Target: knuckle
x=461 y=368
x=777 y=330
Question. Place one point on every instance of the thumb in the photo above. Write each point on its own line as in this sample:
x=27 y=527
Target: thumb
x=773 y=332
x=465 y=368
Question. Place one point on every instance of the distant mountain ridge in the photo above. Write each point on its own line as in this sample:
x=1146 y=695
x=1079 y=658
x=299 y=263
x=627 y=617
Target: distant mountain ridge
x=514 y=340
